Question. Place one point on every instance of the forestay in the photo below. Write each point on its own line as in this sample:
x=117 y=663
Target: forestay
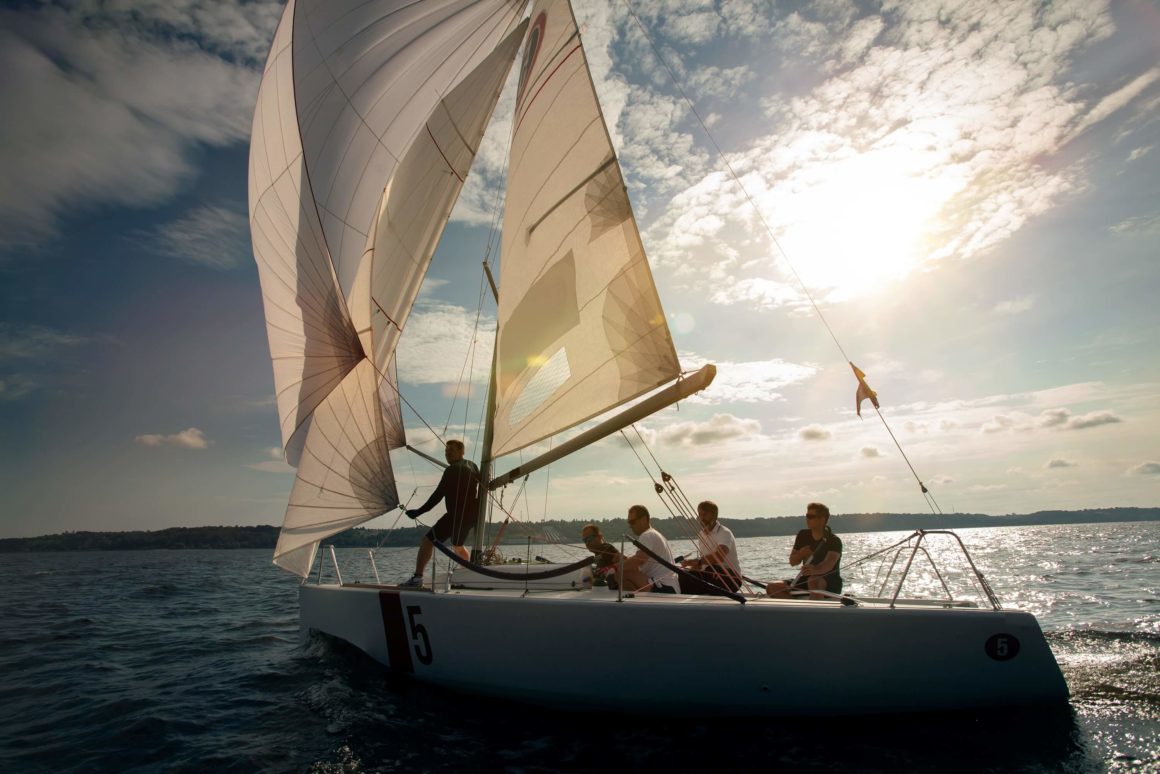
x=581 y=329
x=359 y=101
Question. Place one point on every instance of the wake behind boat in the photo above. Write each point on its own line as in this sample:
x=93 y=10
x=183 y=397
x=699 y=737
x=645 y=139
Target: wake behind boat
x=368 y=119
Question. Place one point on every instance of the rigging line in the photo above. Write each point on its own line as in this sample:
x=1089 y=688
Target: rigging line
x=547 y=481
x=926 y=492
x=469 y=356
x=472 y=350
x=760 y=216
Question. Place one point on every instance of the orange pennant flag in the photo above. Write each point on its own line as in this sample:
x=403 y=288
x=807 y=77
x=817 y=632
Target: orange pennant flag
x=864 y=391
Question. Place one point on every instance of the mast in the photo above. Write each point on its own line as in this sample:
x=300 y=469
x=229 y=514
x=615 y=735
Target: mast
x=488 y=434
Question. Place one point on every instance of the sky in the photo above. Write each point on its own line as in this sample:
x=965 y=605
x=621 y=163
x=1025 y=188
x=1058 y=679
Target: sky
x=970 y=192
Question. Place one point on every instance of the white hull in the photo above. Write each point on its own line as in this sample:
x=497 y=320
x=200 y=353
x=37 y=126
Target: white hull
x=672 y=654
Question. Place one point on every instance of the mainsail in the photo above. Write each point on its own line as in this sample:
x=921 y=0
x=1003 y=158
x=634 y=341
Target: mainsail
x=581 y=328
x=358 y=101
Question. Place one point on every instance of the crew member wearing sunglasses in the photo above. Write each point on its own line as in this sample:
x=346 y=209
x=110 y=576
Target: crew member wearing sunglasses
x=819 y=551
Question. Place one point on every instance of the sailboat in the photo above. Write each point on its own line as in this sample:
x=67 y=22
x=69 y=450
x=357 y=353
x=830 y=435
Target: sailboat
x=368 y=118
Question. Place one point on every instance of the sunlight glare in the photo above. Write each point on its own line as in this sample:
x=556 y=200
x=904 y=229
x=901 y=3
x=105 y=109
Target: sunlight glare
x=861 y=223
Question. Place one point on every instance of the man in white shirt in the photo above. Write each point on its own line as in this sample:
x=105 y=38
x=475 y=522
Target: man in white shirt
x=641 y=571
x=718 y=564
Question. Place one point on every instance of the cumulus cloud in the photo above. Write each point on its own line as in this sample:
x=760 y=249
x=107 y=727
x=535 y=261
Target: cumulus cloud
x=1145 y=469
x=436 y=347
x=275 y=462
x=135 y=92
x=1059 y=462
x=1062 y=419
x=871 y=452
x=190 y=438
x=755 y=381
x=1054 y=417
x=721 y=427
x=1014 y=306
x=1094 y=419
x=998 y=424
x=814 y=433
x=211 y=236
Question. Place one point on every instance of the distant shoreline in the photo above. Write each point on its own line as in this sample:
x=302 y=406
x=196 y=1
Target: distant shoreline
x=555 y=530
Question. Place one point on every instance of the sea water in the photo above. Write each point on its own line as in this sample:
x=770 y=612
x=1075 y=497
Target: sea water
x=193 y=660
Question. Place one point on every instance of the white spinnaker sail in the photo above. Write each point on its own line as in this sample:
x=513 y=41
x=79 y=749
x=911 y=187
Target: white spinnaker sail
x=367 y=78
x=344 y=477
x=350 y=88
x=428 y=180
x=581 y=328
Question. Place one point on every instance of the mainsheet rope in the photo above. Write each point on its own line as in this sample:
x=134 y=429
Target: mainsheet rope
x=525 y=576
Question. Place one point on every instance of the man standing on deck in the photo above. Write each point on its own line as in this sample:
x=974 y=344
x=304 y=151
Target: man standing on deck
x=718 y=564
x=459 y=488
x=641 y=571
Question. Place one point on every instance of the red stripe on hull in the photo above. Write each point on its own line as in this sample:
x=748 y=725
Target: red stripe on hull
x=398 y=645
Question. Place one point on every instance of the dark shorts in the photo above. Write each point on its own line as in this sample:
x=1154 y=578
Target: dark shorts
x=708 y=582
x=833 y=583
x=450 y=527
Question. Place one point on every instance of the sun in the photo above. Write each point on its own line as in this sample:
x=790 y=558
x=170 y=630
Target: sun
x=859 y=224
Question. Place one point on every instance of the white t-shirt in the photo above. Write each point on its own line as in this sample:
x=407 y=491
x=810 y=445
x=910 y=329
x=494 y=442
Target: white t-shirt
x=654 y=570
x=720 y=535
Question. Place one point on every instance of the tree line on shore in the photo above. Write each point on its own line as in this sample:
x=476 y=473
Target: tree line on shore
x=554 y=530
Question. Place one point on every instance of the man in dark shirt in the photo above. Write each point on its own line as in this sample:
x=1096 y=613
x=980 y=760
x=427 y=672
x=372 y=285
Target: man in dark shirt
x=459 y=488
x=605 y=554
x=819 y=551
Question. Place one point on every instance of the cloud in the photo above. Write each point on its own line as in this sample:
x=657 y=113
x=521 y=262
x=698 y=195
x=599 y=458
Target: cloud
x=135 y=94
x=927 y=141
x=1145 y=469
x=14 y=387
x=190 y=438
x=721 y=427
x=1094 y=419
x=756 y=381
x=1142 y=224
x=871 y=452
x=27 y=352
x=211 y=236
x=998 y=424
x=436 y=347
x=814 y=433
x=1059 y=462
x=1141 y=152
x=275 y=464
x=34 y=342
x=1117 y=100
x=1062 y=419
x=986 y=488
x=1054 y=417
x=1014 y=306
